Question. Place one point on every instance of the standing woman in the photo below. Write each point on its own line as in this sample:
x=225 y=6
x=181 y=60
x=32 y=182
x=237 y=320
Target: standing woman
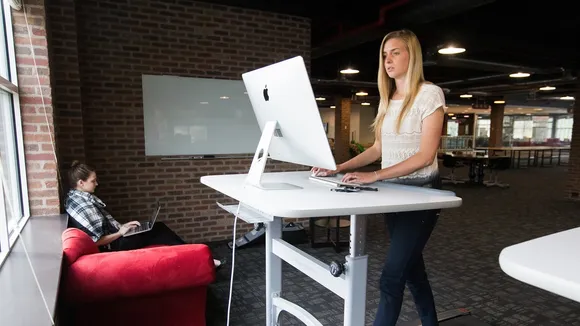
x=407 y=134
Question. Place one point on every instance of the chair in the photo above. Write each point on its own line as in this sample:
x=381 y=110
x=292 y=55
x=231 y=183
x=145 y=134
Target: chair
x=452 y=163
x=154 y=286
x=495 y=165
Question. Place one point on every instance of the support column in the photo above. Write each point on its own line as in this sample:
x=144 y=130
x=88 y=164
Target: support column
x=342 y=131
x=573 y=186
x=496 y=125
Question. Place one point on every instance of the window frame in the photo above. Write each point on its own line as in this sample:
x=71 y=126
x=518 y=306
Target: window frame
x=9 y=237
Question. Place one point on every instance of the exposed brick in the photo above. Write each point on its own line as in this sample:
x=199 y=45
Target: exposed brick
x=100 y=49
x=36 y=108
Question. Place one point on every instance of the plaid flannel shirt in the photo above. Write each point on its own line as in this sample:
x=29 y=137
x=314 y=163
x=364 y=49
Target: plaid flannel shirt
x=89 y=211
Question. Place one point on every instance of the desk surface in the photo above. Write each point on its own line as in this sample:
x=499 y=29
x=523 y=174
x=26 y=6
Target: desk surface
x=316 y=199
x=550 y=262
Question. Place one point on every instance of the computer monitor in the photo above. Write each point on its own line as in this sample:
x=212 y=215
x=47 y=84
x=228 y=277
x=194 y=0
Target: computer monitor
x=287 y=113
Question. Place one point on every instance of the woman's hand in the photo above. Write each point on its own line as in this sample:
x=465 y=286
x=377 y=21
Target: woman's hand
x=128 y=226
x=361 y=177
x=320 y=172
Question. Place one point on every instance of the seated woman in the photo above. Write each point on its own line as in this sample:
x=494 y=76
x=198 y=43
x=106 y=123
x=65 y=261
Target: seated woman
x=89 y=215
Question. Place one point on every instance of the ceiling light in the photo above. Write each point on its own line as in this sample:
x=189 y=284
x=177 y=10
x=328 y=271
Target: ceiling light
x=349 y=71
x=528 y=114
x=451 y=114
x=451 y=50
x=203 y=102
x=361 y=93
x=499 y=102
x=333 y=106
x=453 y=118
x=466 y=95
x=567 y=98
x=320 y=98
x=466 y=116
x=520 y=75
x=365 y=103
x=224 y=97
x=547 y=88
x=538 y=109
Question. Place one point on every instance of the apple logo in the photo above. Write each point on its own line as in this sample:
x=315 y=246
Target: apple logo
x=266 y=96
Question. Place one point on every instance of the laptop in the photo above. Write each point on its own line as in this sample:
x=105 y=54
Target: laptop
x=145 y=225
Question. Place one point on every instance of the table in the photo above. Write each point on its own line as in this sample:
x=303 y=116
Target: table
x=315 y=199
x=536 y=150
x=551 y=263
x=476 y=164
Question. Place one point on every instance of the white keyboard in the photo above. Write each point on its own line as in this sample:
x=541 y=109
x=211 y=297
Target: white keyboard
x=335 y=180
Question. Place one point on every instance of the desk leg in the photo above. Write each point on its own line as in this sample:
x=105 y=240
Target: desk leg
x=273 y=269
x=356 y=274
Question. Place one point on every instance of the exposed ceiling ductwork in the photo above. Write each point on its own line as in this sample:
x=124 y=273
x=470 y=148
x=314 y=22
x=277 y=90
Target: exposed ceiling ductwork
x=521 y=87
x=489 y=66
x=421 y=12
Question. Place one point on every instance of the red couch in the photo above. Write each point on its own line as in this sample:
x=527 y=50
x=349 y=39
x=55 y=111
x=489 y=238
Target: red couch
x=156 y=286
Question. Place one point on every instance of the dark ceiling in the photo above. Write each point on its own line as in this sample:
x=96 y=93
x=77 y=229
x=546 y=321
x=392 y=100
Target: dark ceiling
x=500 y=37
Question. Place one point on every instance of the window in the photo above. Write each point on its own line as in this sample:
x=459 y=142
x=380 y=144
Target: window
x=542 y=128
x=523 y=129
x=564 y=128
x=13 y=193
x=452 y=128
x=483 y=127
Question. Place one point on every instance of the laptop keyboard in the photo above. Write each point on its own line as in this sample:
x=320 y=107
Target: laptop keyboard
x=143 y=226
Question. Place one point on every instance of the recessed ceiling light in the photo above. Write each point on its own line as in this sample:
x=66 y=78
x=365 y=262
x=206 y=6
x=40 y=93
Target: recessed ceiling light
x=333 y=106
x=451 y=114
x=224 y=97
x=466 y=95
x=528 y=114
x=547 y=88
x=567 y=98
x=361 y=93
x=203 y=102
x=499 y=102
x=453 y=118
x=466 y=116
x=320 y=98
x=451 y=50
x=348 y=71
x=520 y=75
x=365 y=103
x=538 y=109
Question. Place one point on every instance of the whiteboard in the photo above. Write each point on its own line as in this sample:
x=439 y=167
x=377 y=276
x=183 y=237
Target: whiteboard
x=197 y=116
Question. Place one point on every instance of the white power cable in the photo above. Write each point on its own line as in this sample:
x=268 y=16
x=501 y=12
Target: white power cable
x=233 y=262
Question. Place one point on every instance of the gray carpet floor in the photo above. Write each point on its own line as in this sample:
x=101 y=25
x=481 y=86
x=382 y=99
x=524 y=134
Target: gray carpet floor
x=461 y=258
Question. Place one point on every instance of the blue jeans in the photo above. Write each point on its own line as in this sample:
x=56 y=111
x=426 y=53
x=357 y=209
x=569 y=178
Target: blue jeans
x=409 y=232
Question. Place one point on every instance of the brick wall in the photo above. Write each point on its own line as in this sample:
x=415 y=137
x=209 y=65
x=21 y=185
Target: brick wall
x=573 y=188
x=37 y=118
x=101 y=48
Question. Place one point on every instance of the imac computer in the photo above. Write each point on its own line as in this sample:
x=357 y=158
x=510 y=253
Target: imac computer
x=287 y=113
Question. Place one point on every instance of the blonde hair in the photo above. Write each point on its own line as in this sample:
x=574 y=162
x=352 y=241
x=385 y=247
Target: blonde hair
x=413 y=79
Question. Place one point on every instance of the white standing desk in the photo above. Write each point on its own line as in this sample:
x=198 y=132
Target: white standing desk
x=315 y=200
x=551 y=263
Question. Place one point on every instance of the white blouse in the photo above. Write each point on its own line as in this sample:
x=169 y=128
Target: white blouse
x=397 y=147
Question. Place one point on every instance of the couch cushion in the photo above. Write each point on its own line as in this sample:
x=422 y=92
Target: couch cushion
x=76 y=243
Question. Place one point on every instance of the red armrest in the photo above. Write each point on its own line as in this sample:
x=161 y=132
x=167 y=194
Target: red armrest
x=139 y=272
